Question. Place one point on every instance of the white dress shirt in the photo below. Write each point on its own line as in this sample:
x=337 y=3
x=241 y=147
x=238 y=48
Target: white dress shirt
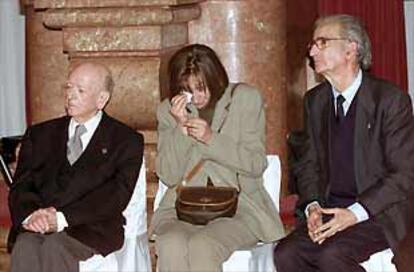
x=90 y=126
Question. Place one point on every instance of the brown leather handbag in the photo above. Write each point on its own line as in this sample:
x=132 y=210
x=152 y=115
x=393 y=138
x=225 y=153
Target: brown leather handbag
x=199 y=205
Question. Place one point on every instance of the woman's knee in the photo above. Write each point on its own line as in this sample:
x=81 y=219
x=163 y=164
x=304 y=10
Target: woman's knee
x=206 y=252
x=171 y=243
x=172 y=251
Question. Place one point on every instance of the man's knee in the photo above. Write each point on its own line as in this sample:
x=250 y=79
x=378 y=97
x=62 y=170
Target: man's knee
x=26 y=253
x=285 y=251
x=26 y=243
x=333 y=255
x=52 y=244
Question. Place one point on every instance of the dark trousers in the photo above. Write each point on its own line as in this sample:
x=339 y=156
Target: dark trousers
x=404 y=257
x=34 y=252
x=341 y=253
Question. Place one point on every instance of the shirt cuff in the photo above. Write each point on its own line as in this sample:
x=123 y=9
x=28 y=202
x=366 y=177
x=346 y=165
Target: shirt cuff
x=25 y=221
x=359 y=211
x=309 y=205
x=61 y=221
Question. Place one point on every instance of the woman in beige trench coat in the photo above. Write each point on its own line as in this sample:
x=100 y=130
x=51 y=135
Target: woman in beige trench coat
x=224 y=124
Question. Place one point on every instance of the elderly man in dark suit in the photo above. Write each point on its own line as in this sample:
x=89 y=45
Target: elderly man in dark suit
x=356 y=178
x=74 y=178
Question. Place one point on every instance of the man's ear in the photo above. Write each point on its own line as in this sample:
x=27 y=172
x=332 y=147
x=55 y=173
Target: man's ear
x=103 y=99
x=352 y=50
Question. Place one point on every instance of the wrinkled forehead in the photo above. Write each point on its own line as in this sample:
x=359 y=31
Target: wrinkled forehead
x=87 y=76
x=327 y=30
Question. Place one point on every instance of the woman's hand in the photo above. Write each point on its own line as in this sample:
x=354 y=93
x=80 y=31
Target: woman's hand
x=179 y=112
x=199 y=129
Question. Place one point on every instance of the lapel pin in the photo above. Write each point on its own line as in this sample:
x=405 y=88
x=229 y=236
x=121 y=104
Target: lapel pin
x=104 y=151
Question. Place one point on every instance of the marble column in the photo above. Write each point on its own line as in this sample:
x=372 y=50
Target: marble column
x=250 y=38
x=301 y=16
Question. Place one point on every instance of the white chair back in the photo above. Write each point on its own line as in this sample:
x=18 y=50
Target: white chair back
x=136 y=210
x=272 y=178
x=162 y=188
x=380 y=262
x=259 y=258
x=134 y=254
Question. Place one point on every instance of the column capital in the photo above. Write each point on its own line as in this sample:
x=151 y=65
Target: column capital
x=58 y=4
x=58 y=18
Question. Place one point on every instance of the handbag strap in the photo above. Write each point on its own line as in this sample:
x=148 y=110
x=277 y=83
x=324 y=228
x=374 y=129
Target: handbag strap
x=194 y=171
x=200 y=164
x=190 y=175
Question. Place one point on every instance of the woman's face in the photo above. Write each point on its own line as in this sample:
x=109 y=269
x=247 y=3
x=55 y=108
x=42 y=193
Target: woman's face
x=201 y=93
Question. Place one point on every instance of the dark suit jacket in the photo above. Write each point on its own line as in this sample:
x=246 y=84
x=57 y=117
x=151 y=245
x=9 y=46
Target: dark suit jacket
x=92 y=193
x=383 y=153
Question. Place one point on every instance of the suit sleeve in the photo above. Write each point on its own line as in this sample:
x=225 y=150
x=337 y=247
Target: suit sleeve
x=173 y=147
x=23 y=197
x=397 y=181
x=112 y=197
x=246 y=155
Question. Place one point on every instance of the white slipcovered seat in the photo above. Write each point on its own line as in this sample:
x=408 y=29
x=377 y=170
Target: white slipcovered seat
x=134 y=254
x=259 y=258
x=380 y=262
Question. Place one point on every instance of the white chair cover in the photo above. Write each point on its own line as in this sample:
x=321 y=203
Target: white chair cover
x=134 y=254
x=380 y=262
x=99 y=263
x=260 y=258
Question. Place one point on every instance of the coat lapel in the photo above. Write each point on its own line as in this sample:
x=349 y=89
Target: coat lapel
x=324 y=135
x=62 y=139
x=222 y=110
x=364 y=122
x=97 y=147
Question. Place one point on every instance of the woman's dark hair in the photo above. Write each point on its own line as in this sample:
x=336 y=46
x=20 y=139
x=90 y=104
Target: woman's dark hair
x=201 y=62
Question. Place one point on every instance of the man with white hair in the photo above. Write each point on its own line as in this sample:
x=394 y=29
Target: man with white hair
x=74 y=177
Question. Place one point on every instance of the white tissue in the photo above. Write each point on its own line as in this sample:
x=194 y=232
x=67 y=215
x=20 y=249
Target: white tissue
x=188 y=96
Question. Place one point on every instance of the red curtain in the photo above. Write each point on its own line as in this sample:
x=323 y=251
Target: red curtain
x=384 y=21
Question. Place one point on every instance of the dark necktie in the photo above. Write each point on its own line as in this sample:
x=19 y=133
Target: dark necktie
x=340 y=115
x=75 y=144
